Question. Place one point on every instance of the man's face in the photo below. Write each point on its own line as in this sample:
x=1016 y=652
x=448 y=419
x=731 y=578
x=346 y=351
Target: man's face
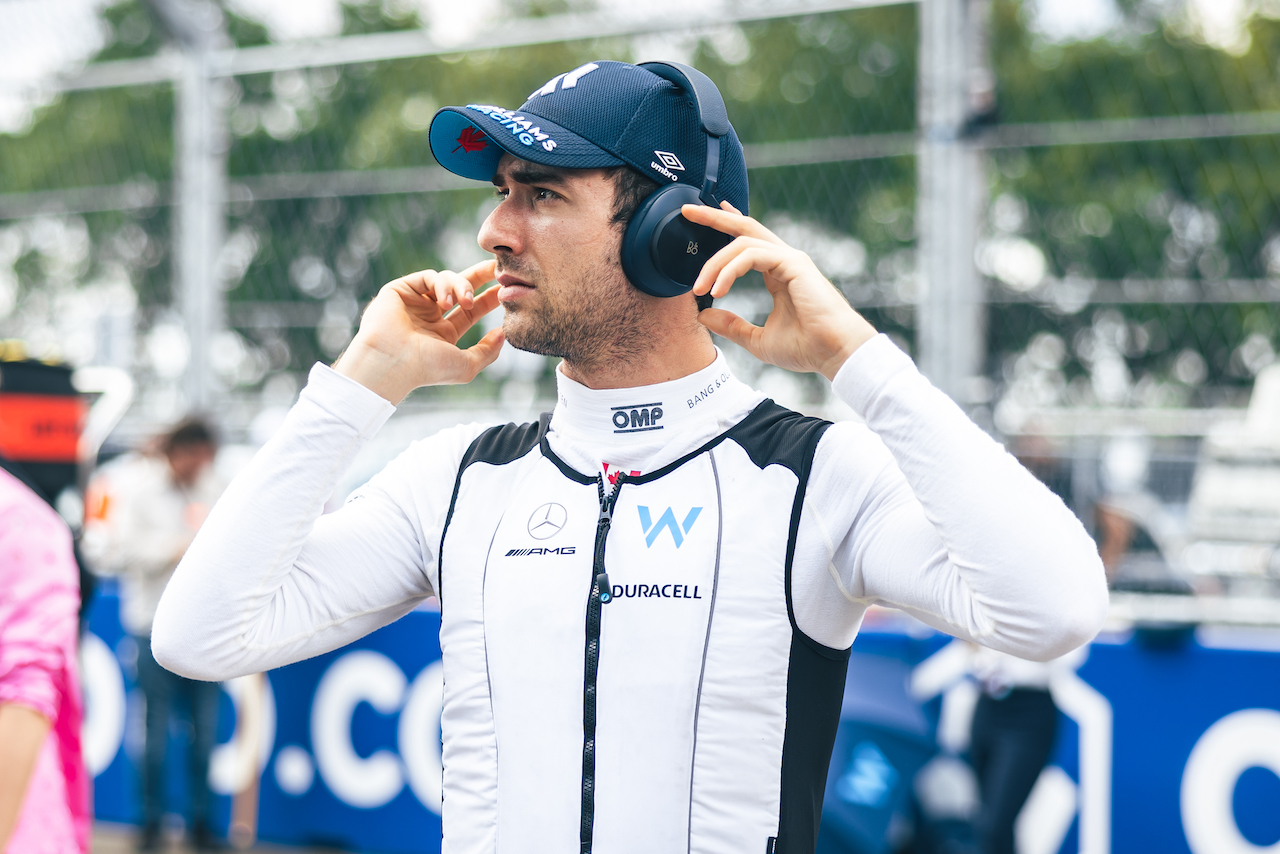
x=559 y=266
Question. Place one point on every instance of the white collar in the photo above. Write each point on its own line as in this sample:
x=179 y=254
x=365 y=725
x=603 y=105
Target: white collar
x=651 y=414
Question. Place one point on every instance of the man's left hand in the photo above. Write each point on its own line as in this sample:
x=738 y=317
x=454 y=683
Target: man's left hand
x=812 y=327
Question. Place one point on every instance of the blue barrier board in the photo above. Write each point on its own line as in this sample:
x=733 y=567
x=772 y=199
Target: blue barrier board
x=1173 y=749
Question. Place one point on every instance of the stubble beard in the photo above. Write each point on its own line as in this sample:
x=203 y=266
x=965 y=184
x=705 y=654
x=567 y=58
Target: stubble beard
x=594 y=321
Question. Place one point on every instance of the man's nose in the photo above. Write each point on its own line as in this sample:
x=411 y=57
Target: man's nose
x=501 y=231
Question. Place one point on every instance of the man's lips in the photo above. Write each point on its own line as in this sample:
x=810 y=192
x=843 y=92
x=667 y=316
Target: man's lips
x=511 y=288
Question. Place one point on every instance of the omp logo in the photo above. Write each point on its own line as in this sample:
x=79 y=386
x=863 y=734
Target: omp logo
x=669 y=160
x=547 y=521
x=666 y=522
x=563 y=550
x=637 y=417
x=565 y=81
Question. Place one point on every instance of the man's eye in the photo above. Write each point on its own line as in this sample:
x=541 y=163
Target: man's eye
x=544 y=195
x=499 y=193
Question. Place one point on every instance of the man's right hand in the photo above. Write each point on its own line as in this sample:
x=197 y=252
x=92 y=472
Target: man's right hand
x=408 y=338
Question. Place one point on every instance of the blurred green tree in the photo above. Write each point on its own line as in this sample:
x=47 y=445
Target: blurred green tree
x=1199 y=210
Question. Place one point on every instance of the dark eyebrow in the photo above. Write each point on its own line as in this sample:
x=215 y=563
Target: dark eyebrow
x=529 y=174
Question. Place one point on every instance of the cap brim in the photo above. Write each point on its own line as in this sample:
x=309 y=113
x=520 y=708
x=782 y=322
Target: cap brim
x=469 y=141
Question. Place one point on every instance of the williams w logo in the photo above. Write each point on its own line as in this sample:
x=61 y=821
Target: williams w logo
x=667 y=521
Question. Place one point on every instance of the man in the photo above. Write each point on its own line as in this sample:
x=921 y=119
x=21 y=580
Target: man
x=649 y=661
x=154 y=504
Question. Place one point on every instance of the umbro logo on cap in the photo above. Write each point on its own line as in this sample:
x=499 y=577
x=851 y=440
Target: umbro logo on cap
x=669 y=160
x=665 y=163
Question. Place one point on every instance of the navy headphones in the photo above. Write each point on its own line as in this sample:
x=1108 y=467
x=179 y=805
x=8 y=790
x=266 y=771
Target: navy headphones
x=662 y=252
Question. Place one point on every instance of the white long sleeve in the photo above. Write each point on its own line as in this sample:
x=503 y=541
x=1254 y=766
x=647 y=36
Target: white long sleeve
x=268 y=580
x=920 y=510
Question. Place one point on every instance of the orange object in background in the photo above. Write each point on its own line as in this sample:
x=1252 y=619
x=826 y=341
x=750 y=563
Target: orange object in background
x=42 y=428
x=41 y=419
x=97 y=500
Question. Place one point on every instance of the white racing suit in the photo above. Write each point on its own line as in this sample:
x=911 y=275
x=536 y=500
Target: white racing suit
x=654 y=664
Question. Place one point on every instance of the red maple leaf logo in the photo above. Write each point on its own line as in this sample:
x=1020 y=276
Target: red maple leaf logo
x=616 y=473
x=471 y=140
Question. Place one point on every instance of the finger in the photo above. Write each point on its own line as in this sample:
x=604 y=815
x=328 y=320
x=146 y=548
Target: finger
x=419 y=282
x=482 y=273
x=458 y=289
x=412 y=298
x=440 y=290
x=728 y=325
x=729 y=207
x=711 y=270
x=753 y=258
x=463 y=286
x=728 y=221
x=464 y=317
x=482 y=354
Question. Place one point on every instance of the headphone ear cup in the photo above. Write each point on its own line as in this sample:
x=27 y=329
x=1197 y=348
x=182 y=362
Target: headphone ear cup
x=638 y=256
x=662 y=252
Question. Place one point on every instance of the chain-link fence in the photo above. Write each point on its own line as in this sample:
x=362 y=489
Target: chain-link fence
x=1123 y=230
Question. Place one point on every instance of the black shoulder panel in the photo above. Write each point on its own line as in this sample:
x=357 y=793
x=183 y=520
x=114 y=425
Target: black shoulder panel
x=770 y=434
x=774 y=435
x=505 y=443
x=496 y=446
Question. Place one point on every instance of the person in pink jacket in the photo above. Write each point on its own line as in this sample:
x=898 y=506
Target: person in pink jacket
x=44 y=787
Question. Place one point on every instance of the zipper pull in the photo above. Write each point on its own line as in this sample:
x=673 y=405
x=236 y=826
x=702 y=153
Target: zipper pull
x=606 y=592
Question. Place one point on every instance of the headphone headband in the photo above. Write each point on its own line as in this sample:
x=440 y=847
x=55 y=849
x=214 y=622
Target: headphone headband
x=662 y=252
x=712 y=112
x=713 y=116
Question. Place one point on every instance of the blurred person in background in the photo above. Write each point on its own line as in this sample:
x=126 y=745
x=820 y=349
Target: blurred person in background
x=1015 y=720
x=144 y=517
x=44 y=787
x=1014 y=726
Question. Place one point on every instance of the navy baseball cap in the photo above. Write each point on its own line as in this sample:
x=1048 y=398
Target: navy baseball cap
x=600 y=114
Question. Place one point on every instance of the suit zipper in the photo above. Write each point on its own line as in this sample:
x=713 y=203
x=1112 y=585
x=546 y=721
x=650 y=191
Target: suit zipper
x=600 y=594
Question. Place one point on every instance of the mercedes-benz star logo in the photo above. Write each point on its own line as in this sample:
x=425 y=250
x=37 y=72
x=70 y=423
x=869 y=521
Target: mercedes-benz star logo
x=547 y=521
